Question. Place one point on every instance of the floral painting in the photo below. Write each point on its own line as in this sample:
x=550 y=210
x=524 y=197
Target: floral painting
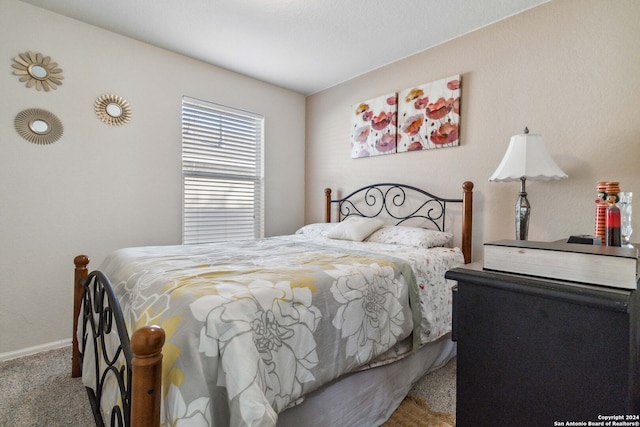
x=373 y=126
x=429 y=115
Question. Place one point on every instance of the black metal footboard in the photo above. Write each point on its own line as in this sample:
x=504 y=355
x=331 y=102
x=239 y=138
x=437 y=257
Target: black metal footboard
x=104 y=339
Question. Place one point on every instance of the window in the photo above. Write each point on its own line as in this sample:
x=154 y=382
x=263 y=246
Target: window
x=222 y=171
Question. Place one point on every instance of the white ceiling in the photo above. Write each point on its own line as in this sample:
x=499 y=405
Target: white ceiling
x=302 y=45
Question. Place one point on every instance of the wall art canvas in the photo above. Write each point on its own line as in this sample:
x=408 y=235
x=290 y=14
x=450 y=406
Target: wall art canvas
x=429 y=115
x=373 y=126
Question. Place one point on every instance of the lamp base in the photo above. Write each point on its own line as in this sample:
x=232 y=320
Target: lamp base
x=523 y=211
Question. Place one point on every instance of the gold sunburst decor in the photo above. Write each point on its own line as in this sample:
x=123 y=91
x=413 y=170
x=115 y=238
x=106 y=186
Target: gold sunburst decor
x=113 y=110
x=38 y=126
x=37 y=71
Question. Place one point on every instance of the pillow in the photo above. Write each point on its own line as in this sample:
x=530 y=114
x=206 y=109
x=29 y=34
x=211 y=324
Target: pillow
x=411 y=236
x=316 y=230
x=355 y=228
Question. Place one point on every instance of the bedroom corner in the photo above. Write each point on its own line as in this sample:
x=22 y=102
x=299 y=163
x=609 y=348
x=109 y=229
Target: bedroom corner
x=100 y=187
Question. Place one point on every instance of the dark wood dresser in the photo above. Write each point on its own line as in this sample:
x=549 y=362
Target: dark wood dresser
x=537 y=352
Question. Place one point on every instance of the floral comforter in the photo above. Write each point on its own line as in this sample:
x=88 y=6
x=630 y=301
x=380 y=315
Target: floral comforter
x=252 y=327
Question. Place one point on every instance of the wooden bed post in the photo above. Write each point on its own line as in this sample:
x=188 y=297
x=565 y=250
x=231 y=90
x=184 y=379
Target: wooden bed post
x=467 y=212
x=327 y=205
x=146 y=382
x=81 y=273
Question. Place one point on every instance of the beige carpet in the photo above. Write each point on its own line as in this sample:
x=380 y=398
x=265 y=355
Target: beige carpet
x=38 y=391
x=414 y=412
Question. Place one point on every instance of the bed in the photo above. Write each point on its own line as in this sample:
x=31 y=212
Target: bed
x=305 y=327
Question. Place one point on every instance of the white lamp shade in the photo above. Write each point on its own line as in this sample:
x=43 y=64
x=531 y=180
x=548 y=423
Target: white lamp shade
x=527 y=157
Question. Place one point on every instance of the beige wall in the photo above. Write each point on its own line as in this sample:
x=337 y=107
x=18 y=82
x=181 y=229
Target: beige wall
x=568 y=69
x=99 y=187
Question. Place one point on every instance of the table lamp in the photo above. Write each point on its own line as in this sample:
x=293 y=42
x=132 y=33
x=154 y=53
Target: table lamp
x=526 y=158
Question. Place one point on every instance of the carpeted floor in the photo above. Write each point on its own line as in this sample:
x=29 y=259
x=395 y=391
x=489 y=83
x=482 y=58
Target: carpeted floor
x=38 y=391
x=438 y=389
x=414 y=412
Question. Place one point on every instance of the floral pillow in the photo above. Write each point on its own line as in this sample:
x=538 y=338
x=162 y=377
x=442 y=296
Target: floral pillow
x=410 y=236
x=355 y=228
x=316 y=230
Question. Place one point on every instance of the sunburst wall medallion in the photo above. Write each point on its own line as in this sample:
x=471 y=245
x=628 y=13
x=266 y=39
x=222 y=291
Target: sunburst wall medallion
x=113 y=110
x=37 y=71
x=38 y=126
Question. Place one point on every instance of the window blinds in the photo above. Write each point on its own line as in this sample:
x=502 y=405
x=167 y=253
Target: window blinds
x=223 y=173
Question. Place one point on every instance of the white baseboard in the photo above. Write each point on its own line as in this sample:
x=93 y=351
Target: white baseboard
x=33 y=350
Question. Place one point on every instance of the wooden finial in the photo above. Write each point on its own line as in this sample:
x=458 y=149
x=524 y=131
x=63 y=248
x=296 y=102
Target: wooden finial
x=147 y=341
x=81 y=261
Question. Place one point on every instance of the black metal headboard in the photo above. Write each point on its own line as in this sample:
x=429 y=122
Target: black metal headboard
x=399 y=203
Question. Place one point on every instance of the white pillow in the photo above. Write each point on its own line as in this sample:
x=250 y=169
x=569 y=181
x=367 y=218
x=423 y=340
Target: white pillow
x=411 y=236
x=355 y=228
x=320 y=229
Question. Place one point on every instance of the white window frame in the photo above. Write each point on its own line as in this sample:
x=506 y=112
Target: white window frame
x=223 y=173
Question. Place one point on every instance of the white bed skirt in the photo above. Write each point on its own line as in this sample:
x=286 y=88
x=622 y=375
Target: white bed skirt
x=368 y=398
